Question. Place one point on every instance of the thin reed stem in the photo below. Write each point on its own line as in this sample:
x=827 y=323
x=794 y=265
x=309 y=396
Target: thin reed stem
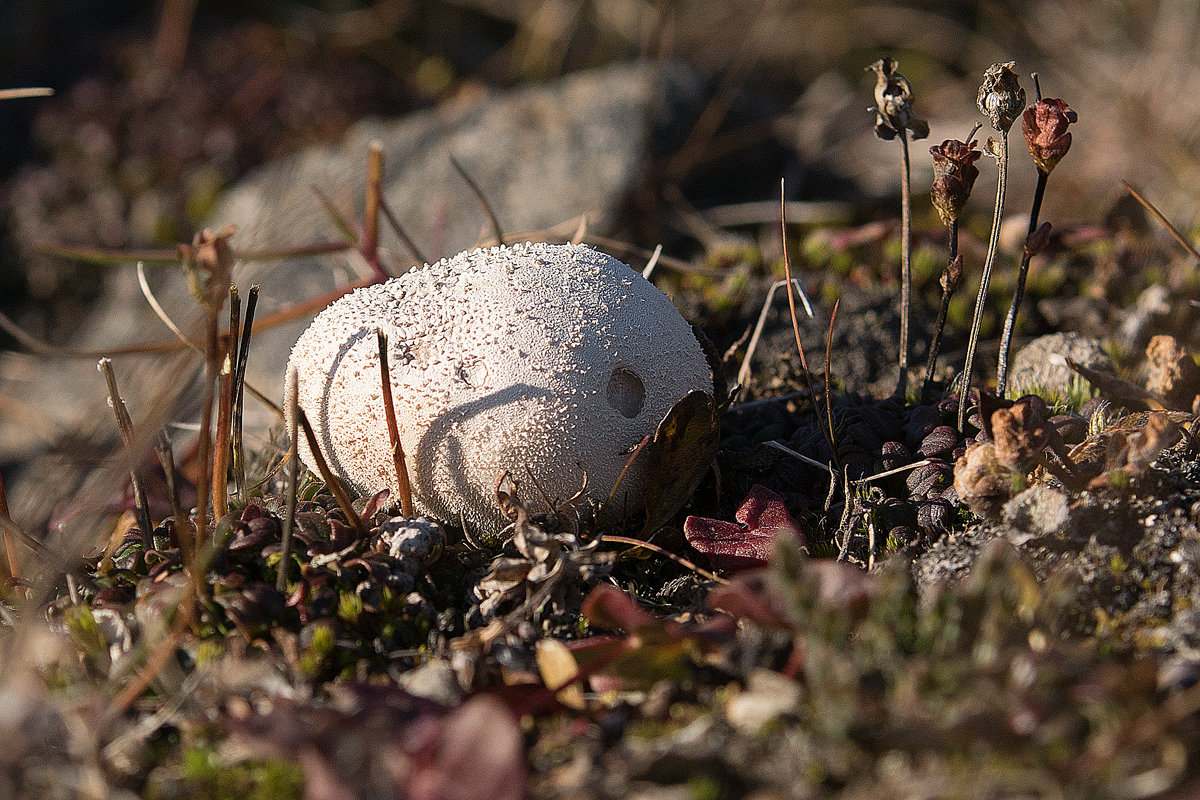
x=939 y=325
x=335 y=486
x=1010 y=321
x=905 y=261
x=293 y=480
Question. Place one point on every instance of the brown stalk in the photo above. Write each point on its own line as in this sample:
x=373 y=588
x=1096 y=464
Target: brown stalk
x=680 y=560
x=204 y=445
x=103 y=256
x=369 y=246
x=389 y=410
x=220 y=468
x=791 y=295
x=335 y=486
x=829 y=371
x=905 y=261
x=14 y=566
x=125 y=426
x=398 y=229
x=497 y=231
x=239 y=385
x=289 y=513
x=1179 y=237
x=183 y=528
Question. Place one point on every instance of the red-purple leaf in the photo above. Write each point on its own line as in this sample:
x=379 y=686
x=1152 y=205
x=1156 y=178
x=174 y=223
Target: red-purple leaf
x=609 y=607
x=731 y=546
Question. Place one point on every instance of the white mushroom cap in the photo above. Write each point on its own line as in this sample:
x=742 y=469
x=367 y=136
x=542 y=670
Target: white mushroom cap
x=531 y=358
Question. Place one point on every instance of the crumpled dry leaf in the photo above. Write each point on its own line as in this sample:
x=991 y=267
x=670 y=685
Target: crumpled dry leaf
x=762 y=518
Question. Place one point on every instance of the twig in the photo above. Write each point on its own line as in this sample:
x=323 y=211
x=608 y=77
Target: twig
x=683 y=562
x=239 y=385
x=1179 y=237
x=497 y=231
x=335 y=486
x=293 y=479
x=389 y=410
x=125 y=426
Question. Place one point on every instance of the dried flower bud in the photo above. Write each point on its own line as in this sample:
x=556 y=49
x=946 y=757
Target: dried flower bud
x=954 y=174
x=1036 y=241
x=1045 y=126
x=208 y=264
x=1001 y=97
x=893 y=102
x=952 y=275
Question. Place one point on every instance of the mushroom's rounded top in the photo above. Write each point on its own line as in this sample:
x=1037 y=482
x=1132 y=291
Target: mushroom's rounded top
x=547 y=361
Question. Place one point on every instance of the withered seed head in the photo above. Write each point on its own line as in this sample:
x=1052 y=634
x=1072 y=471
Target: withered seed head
x=1045 y=126
x=1001 y=97
x=954 y=174
x=1021 y=434
x=893 y=102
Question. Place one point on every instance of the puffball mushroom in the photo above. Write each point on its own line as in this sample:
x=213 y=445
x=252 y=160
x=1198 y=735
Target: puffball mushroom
x=545 y=361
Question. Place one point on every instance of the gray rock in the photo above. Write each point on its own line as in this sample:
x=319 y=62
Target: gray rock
x=1040 y=513
x=542 y=155
x=1041 y=365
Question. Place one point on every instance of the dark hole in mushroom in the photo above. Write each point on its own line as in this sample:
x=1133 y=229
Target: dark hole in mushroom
x=626 y=392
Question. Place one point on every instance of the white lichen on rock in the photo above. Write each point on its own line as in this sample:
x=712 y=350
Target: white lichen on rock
x=537 y=359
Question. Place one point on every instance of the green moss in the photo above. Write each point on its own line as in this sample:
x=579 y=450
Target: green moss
x=204 y=775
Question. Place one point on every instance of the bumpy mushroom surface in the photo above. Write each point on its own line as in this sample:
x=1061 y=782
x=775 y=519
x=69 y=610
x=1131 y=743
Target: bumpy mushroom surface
x=543 y=360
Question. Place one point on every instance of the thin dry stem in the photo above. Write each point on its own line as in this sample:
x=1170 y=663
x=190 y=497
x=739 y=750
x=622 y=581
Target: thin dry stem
x=14 y=566
x=335 y=486
x=293 y=484
x=389 y=410
x=183 y=528
x=680 y=560
x=905 y=261
x=993 y=245
x=239 y=386
x=787 y=271
x=1166 y=223
x=370 y=240
x=829 y=372
x=497 y=231
x=220 y=469
x=125 y=426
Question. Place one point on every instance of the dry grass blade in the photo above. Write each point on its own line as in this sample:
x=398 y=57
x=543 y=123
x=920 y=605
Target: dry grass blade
x=497 y=231
x=103 y=256
x=160 y=312
x=648 y=270
x=335 y=486
x=1179 y=237
x=680 y=560
x=791 y=295
x=744 y=372
x=125 y=425
x=32 y=91
x=389 y=410
x=344 y=226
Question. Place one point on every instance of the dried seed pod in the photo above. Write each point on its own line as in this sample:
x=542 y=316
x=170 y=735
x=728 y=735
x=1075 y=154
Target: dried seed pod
x=1001 y=98
x=1045 y=127
x=954 y=174
x=895 y=454
x=982 y=482
x=1021 y=435
x=893 y=102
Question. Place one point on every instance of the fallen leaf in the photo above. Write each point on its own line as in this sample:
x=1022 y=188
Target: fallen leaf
x=683 y=447
x=749 y=543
